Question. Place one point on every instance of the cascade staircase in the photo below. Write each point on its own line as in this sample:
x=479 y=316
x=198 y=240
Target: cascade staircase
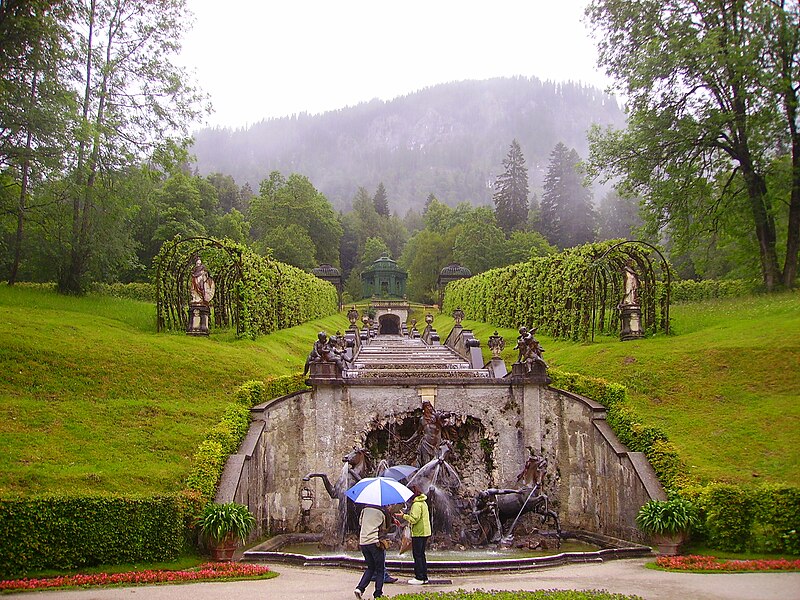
x=396 y=356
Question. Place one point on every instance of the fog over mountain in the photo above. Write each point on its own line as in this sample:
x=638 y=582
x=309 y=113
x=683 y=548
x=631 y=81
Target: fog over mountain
x=449 y=140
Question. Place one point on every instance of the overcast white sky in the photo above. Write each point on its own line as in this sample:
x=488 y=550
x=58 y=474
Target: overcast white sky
x=272 y=58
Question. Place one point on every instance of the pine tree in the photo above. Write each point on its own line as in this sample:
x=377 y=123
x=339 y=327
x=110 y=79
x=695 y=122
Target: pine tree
x=567 y=217
x=381 y=201
x=511 y=195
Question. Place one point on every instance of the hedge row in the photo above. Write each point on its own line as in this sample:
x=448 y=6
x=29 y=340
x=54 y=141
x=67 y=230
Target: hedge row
x=225 y=437
x=145 y=292
x=695 y=291
x=757 y=519
x=734 y=518
x=61 y=532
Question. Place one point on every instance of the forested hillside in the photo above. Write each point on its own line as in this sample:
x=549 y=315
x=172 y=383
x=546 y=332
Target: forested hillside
x=448 y=140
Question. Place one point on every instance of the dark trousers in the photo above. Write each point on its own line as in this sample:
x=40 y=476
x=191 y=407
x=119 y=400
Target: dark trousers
x=375 y=556
x=420 y=562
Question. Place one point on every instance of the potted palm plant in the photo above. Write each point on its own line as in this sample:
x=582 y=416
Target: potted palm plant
x=225 y=526
x=667 y=522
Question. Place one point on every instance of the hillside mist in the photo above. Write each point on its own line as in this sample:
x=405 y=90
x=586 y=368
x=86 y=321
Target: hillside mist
x=449 y=140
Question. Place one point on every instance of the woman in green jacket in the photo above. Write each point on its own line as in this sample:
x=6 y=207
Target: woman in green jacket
x=420 y=519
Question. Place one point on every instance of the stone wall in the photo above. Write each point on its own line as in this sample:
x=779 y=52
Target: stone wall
x=595 y=484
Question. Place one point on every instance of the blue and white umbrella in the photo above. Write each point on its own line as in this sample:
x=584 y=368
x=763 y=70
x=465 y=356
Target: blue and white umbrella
x=379 y=491
x=399 y=472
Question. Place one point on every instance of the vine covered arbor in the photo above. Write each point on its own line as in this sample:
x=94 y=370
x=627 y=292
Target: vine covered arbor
x=570 y=295
x=254 y=294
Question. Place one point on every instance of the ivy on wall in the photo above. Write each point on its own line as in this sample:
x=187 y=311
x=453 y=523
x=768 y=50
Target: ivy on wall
x=569 y=295
x=254 y=294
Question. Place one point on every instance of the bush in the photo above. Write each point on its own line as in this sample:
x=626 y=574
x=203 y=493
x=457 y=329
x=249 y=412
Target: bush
x=144 y=292
x=696 y=291
x=218 y=521
x=61 y=532
x=226 y=436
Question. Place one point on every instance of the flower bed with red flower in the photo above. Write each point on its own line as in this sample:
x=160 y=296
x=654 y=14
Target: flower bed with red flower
x=204 y=572
x=694 y=562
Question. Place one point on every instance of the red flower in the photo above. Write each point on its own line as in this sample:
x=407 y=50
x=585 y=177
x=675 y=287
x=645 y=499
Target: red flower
x=205 y=571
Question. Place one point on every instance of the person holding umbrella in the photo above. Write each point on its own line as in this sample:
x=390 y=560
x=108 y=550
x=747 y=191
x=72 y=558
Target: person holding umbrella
x=419 y=517
x=374 y=493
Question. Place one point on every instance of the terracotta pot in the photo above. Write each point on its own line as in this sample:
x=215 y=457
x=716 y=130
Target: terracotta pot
x=669 y=543
x=223 y=551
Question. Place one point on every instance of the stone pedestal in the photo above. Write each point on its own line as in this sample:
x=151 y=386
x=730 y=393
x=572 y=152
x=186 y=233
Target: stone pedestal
x=198 y=319
x=631 y=322
x=532 y=373
x=323 y=371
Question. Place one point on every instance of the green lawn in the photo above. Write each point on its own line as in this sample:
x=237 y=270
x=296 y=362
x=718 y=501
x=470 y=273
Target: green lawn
x=92 y=399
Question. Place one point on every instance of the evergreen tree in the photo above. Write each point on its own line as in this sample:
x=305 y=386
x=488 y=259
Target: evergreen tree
x=567 y=217
x=381 y=201
x=511 y=195
x=618 y=217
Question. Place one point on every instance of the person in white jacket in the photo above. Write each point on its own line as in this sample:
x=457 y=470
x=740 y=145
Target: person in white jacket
x=372 y=520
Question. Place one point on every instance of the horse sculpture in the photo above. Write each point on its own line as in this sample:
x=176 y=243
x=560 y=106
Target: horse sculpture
x=357 y=464
x=495 y=506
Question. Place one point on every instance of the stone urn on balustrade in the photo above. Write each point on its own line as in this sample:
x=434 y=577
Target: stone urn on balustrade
x=667 y=523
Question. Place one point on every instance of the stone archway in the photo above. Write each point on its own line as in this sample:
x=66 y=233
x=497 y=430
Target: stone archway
x=389 y=324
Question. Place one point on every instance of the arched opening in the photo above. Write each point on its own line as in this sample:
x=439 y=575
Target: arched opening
x=389 y=324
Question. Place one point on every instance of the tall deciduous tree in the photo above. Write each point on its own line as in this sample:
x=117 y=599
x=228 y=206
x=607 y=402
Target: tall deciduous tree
x=295 y=201
x=36 y=104
x=133 y=99
x=511 y=191
x=713 y=89
x=567 y=217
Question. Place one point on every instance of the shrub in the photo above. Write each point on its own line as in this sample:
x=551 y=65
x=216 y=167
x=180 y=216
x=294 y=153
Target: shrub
x=62 y=532
x=696 y=291
x=227 y=435
x=144 y=292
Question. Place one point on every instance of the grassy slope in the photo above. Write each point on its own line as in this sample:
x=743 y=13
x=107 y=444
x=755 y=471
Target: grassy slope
x=91 y=399
x=725 y=387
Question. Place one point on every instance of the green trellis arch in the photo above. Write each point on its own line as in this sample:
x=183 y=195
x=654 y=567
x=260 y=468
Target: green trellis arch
x=608 y=288
x=173 y=274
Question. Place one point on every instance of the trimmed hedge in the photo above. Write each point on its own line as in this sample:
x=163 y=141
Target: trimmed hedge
x=144 y=292
x=255 y=293
x=739 y=518
x=60 y=532
x=695 y=291
x=734 y=518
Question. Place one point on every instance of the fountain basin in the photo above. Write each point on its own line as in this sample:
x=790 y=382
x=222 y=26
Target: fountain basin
x=606 y=548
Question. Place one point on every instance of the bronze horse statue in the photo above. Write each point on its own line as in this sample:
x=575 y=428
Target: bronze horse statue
x=495 y=506
x=357 y=465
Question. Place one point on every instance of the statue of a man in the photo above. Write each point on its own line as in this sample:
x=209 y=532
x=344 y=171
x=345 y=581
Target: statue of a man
x=202 y=288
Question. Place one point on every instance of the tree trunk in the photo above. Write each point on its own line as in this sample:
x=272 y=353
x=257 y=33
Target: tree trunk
x=765 y=228
x=21 y=208
x=793 y=228
x=69 y=280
